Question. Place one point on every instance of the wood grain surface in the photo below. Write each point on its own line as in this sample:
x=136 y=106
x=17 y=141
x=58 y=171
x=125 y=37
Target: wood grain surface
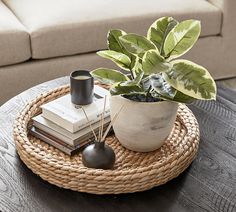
x=209 y=184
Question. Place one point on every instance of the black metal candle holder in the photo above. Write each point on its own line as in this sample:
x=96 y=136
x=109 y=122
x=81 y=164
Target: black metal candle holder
x=81 y=87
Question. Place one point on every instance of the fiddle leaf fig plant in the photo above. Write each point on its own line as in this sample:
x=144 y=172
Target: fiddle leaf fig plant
x=148 y=66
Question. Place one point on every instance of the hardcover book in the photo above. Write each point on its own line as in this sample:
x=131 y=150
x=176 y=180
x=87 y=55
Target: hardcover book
x=71 y=139
x=57 y=143
x=63 y=113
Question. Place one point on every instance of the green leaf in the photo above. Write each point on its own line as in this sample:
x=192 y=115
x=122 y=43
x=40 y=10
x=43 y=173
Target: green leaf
x=182 y=98
x=108 y=76
x=139 y=77
x=179 y=97
x=135 y=81
x=181 y=38
x=159 y=85
x=159 y=30
x=113 y=41
x=120 y=89
x=162 y=90
x=154 y=63
x=191 y=79
x=136 y=44
x=136 y=65
x=121 y=60
x=137 y=97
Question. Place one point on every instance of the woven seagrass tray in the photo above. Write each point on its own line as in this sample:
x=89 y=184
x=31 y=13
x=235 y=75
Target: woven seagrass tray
x=133 y=171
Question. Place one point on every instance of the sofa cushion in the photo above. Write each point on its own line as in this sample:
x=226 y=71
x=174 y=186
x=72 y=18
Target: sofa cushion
x=14 y=40
x=67 y=27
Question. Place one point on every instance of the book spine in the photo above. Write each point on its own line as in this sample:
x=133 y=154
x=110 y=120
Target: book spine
x=53 y=133
x=51 y=142
x=57 y=143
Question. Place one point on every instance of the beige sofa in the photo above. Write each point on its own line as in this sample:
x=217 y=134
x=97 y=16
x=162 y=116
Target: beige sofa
x=44 y=39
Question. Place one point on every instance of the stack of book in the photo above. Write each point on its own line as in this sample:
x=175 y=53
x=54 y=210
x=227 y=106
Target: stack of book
x=65 y=126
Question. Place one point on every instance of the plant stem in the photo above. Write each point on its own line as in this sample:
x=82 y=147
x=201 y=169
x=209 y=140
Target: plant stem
x=131 y=73
x=148 y=93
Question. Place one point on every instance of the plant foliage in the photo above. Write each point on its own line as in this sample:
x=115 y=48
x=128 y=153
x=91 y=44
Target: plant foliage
x=152 y=71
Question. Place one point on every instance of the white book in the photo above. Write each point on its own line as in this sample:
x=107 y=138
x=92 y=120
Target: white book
x=64 y=113
x=56 y=131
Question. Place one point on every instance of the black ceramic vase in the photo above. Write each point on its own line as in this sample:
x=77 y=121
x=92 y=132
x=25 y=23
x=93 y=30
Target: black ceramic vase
x=98 y=156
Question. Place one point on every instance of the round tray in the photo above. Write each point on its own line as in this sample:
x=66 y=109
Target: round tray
x=133 y=171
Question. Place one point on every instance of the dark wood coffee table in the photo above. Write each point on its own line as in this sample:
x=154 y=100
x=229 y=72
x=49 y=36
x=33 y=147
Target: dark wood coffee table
x=209 y=184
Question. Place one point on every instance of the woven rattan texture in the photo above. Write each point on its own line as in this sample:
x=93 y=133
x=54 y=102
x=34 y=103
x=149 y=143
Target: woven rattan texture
x=133 y=171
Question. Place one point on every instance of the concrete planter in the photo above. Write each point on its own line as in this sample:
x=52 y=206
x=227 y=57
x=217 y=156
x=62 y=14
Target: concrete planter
x=142 y=126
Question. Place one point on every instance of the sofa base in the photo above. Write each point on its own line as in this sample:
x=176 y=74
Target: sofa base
x=208 y=51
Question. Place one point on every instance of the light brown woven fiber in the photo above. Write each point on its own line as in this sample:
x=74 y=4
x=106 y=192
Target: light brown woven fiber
x=132 y=172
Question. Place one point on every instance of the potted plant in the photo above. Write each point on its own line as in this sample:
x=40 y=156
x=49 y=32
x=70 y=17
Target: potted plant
x=151 y=82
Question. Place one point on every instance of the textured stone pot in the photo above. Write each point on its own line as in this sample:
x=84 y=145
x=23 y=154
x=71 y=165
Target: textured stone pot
x=142 y=126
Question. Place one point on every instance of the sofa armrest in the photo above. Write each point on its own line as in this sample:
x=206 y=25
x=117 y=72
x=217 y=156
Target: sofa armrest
x=228 y=8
